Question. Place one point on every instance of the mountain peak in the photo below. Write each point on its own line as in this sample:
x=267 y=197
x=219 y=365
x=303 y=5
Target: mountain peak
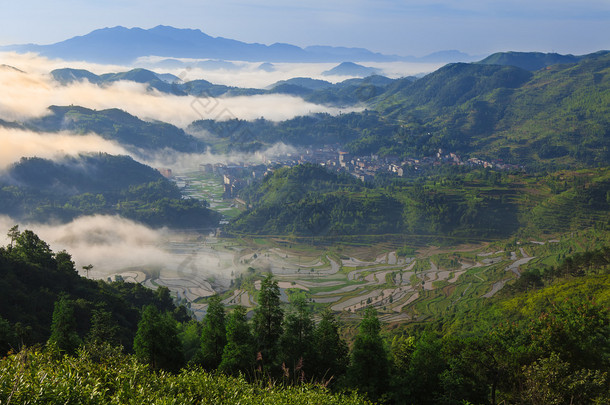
x=123 y=45
x=351 y=69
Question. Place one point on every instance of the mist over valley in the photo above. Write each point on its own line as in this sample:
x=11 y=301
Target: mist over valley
x=179 y=201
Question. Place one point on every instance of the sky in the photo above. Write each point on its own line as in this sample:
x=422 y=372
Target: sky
x=408 y=27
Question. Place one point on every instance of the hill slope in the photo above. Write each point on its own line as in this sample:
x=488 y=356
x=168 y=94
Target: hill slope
x=117 y=125
x=41 y=190
x=559 y=115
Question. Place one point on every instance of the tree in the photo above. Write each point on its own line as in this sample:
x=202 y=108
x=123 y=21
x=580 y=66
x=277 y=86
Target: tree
x=63 y=326
x=190 y=336
x=31 y=249
x=65 y=264
x=104 y=329
x=296 y=342
x=87 y=268
x=213 y=334
x=239 y=353
x=268 y=318
x=13 y=234
x=425 y=368
x=164 y=299
x=331 y=351
x=369 y=367
x=550 y=381
x=8 y=338
x=156 y=342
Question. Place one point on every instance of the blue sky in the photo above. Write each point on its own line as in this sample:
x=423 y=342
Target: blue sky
x=409 y=27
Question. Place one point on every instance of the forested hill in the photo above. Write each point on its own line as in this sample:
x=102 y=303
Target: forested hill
x=33 y=278
x=41 y=190
x=309 y=201
x=117 y=125
x=529 y=60
x=557 y=116
x=560 y=114
x=349 y=92
x=315 y=129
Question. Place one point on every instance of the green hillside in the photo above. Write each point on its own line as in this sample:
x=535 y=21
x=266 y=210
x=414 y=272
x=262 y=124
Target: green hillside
x=556 y=116
x=311 y=130
x=117 y=125
x=529 y=60
x=41 y=190
x=477 y=204
x=33 y=278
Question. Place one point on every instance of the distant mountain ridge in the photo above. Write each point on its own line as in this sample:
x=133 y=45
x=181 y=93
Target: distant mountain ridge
x=351 y=69
x=348 y=92
x=124 y=45
x=529 y=60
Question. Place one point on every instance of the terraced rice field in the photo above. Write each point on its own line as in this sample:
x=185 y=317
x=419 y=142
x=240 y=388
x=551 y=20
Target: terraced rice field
x=400 y=288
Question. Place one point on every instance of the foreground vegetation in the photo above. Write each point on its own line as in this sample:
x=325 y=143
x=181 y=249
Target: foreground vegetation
x=35 y=376
x=531 y=344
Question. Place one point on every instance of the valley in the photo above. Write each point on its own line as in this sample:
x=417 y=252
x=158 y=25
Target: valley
x=345 y=278
x=400 y=230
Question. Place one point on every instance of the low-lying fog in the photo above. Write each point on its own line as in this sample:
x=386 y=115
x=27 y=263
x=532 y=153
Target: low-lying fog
x=116 y=245
x=30 y=90
x=17 y=143
x=27 y=95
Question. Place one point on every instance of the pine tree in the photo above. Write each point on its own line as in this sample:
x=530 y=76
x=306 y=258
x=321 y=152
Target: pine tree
x=330 y=349
x=268 y=320
x=239 y=353
x=157 y=342
x=213 y=334
x=296 y=342
x=369 y=367
x=104 y=329
x=63 y=326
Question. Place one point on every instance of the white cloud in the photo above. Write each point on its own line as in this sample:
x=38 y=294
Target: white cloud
x=17 y=143
x=28 y=94
x=114 y=245
x=184 y=162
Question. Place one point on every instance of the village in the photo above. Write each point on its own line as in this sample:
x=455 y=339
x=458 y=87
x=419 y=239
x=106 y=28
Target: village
x=238 y=175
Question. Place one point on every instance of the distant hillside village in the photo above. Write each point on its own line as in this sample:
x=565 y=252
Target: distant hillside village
x=238 y=175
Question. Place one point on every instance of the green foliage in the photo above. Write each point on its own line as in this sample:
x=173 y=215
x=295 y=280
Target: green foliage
x=405 y=251
x=103 y=330
x=117 y=125
x=239 y=354
x=267 y=321
x=32 y=280
x=308 y=200
x=97 y=184
x=213 y=334
x=36 y=377
x=63 y=327
x=369 y=368
x=156 y=342
x=555 y=115
x=316 y=129
x=190 y=337
x=296 y=342
x=331 y=350
x=529 y=60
